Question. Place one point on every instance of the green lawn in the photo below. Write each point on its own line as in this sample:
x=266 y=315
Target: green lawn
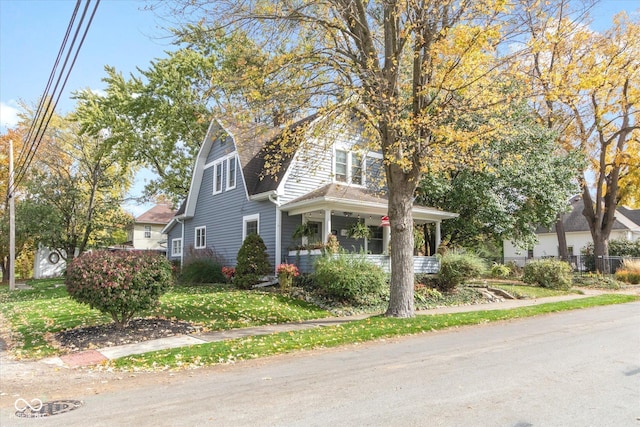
x=357 y=331
x=33 y=314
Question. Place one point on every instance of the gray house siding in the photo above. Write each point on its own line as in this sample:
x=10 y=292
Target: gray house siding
x=310 y=169
x=174 y=233
x=222 y=213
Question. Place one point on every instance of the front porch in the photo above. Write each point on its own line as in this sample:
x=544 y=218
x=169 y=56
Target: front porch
x=305 y=261
x=335 y=210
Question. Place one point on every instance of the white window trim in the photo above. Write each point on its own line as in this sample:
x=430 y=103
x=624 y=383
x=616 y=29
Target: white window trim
x=245 y=220
x=147 y=231
x=195 y=237
x=363 y=160
x=173 y=244
x=228 y=174
x=215 y=176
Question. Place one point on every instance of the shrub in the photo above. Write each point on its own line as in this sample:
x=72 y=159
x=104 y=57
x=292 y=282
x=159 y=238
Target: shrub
x=202 y=266
x=457 y=267
x=629 y=271
x=286 y=273
x=596 y=281
x=500 y=271
x=548 y=273
x=253 y=262
x=121 y=283
x=351 y=279
x=202 y=271
x=515 y=269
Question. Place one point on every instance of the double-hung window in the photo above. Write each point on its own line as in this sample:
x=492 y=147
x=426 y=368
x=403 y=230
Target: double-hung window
x=200 y=238
x=231 y=173
x=250 y=224
x=176 y=247
x=349 y=167
x=217 y=178
x=147 y=231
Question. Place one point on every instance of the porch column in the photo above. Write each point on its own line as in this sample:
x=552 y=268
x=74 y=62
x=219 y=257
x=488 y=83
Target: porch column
x=386 y=237
x=437 y=236
x=327 y=225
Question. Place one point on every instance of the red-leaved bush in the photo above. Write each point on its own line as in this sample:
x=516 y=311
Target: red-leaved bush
x=120 y=283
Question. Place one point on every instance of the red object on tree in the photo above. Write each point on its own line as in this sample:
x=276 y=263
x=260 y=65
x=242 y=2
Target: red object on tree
x=385 y=221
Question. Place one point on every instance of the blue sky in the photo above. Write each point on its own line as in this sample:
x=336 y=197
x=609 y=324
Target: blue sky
x=121 y=35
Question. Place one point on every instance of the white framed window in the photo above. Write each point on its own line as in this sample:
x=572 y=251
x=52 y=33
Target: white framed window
x=176 y=247
x=250 y=224
x=341 y=165
x=217 y=178
x=147 y=231
x=349 y=167
x=200 y=241
x=231 y=173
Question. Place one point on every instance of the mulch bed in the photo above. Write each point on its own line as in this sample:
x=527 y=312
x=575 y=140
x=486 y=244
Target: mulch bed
x=110 y=335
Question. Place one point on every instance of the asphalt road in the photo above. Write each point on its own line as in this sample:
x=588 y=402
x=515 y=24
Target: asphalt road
x=579 y=368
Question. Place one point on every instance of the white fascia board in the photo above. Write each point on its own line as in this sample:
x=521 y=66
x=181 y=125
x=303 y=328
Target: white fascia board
x=368 y=208
x=198 y=170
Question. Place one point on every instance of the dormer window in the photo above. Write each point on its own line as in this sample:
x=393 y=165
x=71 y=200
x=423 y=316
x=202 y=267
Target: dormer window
x=349 y=167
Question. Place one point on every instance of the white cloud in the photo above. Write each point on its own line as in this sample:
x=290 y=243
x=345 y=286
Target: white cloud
x=8 y=115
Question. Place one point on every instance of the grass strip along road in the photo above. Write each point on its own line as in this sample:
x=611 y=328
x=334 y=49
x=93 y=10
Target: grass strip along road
x=369 y=329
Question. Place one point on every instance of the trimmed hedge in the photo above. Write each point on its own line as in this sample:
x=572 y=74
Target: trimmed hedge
x=120 y=283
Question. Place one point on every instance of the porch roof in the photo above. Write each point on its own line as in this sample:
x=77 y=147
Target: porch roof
x=343 y=199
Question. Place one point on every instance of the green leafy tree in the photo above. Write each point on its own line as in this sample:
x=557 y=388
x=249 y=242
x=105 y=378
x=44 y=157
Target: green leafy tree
x=73 y=191
x=525 y=178
x=159 y=117
x=409 y=70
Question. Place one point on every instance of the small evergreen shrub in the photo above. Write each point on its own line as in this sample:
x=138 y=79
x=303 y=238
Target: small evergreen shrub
x=500 y=271
x=457 y=267
x=121 y=283
x=253 y=262
x=548 y=273
x=351 y=279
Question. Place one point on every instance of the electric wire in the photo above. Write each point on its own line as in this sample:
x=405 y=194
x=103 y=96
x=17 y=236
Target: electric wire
x=45 y=109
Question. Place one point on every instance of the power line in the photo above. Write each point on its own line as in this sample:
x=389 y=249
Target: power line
x=45 y=110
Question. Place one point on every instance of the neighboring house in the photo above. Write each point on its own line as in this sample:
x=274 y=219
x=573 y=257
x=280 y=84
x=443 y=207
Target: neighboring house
x=47 y=263
x=626 y=226
x=145 y=232
x=326 y=181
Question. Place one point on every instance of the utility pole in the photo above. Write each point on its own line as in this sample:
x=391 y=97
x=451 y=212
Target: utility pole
x=12 y=222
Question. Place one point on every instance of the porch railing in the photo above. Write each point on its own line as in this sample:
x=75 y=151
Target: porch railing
x=421 y=264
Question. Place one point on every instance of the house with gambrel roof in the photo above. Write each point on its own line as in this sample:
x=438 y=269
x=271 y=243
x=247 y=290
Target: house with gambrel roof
x=251 y=179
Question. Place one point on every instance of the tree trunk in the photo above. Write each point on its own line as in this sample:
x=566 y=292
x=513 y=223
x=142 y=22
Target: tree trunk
x=401 y=192
x=563 y=251
x=600 y=254
x=4 y=268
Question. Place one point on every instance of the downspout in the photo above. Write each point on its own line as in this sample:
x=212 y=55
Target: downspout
x=278 y=257
x=181 y=237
